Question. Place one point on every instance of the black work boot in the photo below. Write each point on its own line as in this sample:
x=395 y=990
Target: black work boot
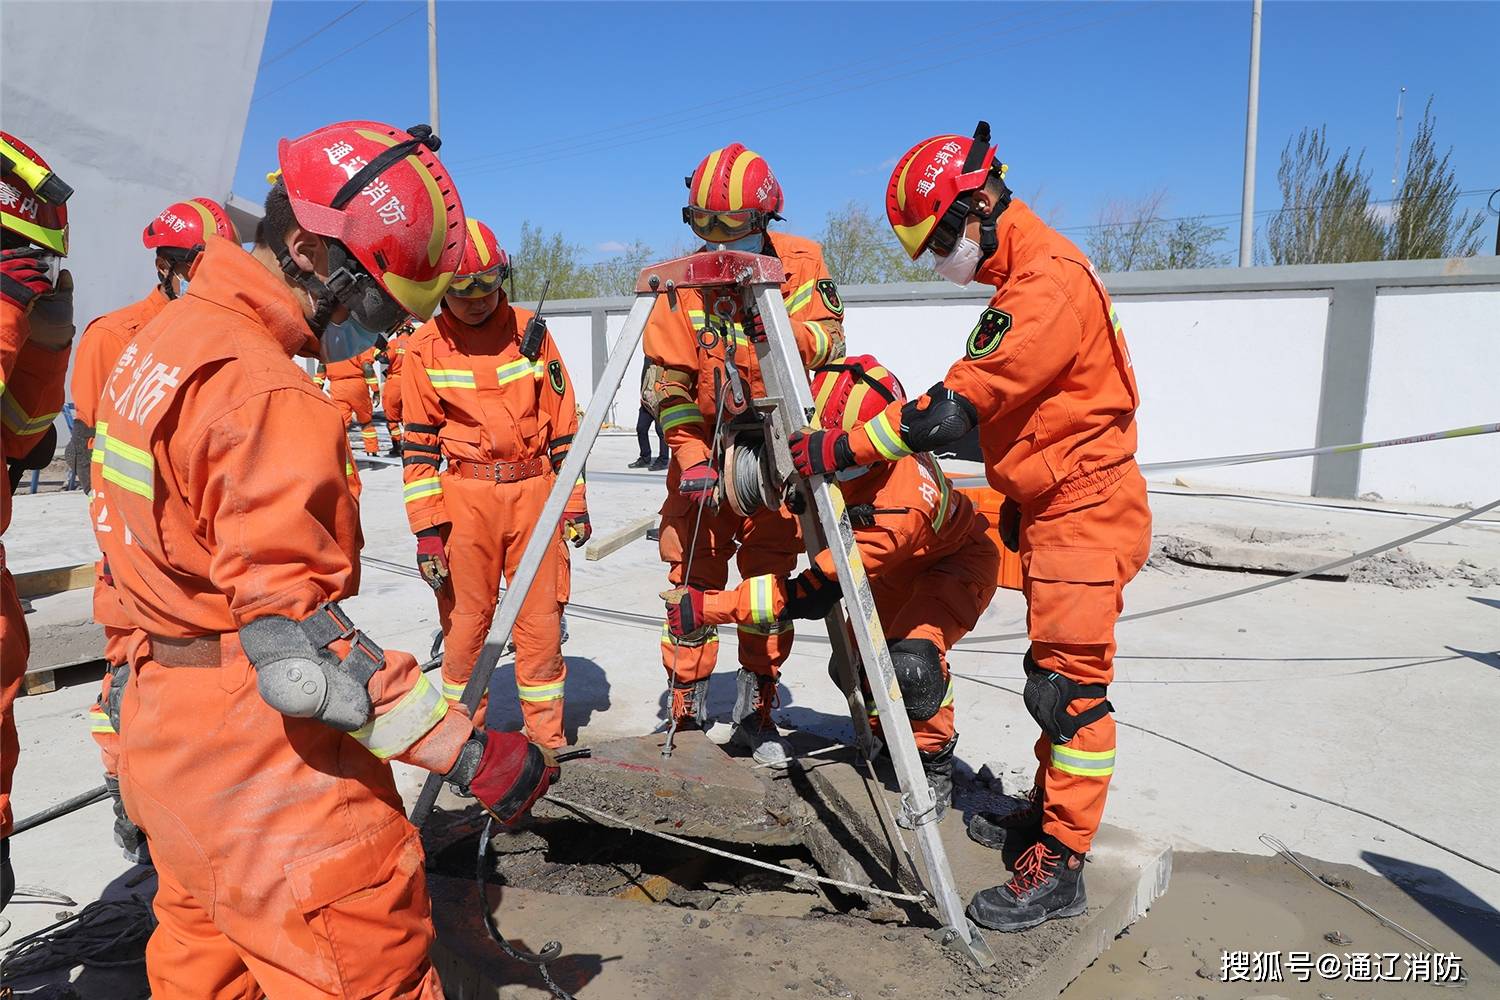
x=1017 y=829
x=395 y=451
x=937 y=765
x=1047 y=883
x=640 y=463
x=7 y=877
x=659 y=465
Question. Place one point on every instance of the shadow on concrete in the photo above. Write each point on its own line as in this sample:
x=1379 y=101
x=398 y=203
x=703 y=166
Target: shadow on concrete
x=587 y=692
x=1486 y=601
x=104 y=942
x=1462 y=912
x=1490 y=659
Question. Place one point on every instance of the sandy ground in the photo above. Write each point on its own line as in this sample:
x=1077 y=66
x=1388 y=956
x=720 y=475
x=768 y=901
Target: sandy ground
x=1237 y=719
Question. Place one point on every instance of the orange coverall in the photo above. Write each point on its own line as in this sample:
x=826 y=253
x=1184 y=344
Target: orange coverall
x=99 y=348
x=31 y=396
x=931 y=564
x=285 y=862
x=390 y=392
x=767 y=543
x=1049 y=373
x=504 y=424
x=351 y=383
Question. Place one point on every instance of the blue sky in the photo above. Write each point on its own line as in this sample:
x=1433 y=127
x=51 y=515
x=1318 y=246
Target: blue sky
x=584 y=118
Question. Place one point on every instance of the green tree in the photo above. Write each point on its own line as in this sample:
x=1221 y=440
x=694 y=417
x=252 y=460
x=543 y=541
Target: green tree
x=1424 y=224
x=1135 y=237
x=1325 y=215
x=860 y=249
x=616 y=275
x=540 y=258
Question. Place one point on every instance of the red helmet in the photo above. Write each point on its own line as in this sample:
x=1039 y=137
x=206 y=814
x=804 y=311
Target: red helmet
x=731 y=195
x=484 y=266
x=929 y=197
x=850 y=391
x=185 y=225
x=385 y=197
x=32 y=198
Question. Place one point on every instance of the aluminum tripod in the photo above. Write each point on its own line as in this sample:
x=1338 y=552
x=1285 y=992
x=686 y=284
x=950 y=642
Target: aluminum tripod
x=789 y=406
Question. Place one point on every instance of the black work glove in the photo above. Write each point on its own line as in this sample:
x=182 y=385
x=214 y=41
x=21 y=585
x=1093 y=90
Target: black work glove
x=1010 y=525
x=938 y=417
x=811 y=595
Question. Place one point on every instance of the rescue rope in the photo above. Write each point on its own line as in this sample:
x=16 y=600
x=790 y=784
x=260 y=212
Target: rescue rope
x=1285 y=852
x=110 y=934
x=538 y=960
x=1262 y=778
x=863 y=890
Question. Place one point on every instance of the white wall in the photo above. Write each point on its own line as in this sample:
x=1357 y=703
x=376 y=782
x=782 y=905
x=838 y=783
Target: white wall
x=136 y=105
x=1436 y=365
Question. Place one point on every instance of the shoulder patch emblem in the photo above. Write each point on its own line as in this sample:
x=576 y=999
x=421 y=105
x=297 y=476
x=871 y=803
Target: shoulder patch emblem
x=985 y=338
x=830 y=294
x=556 y=377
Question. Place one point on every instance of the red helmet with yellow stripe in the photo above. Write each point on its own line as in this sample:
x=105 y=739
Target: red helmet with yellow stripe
x=850 y=391
x=931 y=191
x=32 y=198
x=181 y=229
x=382 y=194
x=731 y=195
x=484 y=266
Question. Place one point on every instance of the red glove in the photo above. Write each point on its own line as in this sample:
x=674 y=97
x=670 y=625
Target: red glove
x=431 y=559
x=576 y=528
x=684 y=610
x=821 y=453
x=23 y=276
x=699 y=482
x=513 y=773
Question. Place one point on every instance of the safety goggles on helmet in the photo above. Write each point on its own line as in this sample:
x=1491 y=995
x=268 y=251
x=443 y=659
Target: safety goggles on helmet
x=946 y=234
x=725 y=227
x=480 y=284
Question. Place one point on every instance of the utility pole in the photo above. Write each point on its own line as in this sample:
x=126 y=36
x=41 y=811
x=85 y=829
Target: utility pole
x=432 y=81
x=1396 y=163
x=1252 y=112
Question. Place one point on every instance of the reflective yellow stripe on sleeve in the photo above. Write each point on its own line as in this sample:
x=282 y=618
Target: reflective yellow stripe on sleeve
x=129 y=468
x=410 y=719
x=886 y=439
x=454 y=690
x=99 y=721
x=679 y=414
x=821 y=343
x=762 y=594
x=800 y=298
x=420 y=489
x=18 y=421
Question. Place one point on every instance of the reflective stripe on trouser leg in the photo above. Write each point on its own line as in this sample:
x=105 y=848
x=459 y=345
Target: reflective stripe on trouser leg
x=540 y=668
x=1076 y=781
x=691 y=658
x=764 y=648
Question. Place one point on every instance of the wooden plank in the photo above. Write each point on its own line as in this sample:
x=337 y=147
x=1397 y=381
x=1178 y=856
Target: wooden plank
x=39 y=682
x=611 y=543
x=41 y=582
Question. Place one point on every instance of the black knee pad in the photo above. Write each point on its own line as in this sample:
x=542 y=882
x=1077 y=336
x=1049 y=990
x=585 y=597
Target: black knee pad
x=1047 y=696
x=919 y=674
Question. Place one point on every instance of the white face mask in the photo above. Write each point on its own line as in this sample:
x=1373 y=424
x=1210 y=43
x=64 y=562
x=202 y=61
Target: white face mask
x=961 y=265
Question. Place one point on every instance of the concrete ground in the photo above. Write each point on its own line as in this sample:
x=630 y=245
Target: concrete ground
x=1236 y=717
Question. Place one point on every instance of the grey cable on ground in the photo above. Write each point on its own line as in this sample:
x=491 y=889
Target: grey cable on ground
x=1270 y=781
x=1280 y=848
x=863 y=890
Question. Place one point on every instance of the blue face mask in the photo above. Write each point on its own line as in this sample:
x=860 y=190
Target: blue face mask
x=342 y=341
x=753 y=243
x=182 y=287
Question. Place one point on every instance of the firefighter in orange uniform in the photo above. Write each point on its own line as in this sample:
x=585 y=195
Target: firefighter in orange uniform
x=733 y=197
x=351 y=382
x=177 y=235
x=390 y=390
x=1047 y=379
x=36 y=331
x=931 y=565
x=503 y=423
x=257 y=722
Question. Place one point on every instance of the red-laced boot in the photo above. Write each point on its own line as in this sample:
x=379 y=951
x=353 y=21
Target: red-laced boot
x=1047 y=883
x=754 y=728
x=690 y=704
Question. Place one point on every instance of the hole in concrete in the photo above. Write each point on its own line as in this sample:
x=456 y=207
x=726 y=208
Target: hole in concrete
x=577 y=858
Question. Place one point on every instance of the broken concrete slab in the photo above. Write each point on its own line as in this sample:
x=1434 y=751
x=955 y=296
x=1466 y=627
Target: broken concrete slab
x=1252 y=549
x=619 y=948
x=699 y=791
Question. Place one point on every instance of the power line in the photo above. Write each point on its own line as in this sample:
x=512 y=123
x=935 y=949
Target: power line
x=792 y=84
x=307 y=38
x=706 y=121
x=336 y=58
